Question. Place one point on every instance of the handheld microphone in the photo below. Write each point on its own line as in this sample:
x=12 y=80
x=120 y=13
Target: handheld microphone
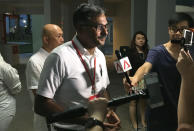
x=122 y=65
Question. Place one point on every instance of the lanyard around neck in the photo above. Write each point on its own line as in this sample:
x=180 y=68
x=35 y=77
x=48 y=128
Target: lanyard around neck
x=86 y=68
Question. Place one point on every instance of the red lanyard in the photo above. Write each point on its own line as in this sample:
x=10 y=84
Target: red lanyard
x=86 y=68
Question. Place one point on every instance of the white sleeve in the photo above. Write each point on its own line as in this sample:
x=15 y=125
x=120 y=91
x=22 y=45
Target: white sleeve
x=1 y=58
x=32 y=75
x=51 y=76
x=11 y=79
x=106 y=77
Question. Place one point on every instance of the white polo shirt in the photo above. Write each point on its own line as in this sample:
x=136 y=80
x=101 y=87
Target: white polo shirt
x=34 y=68
x=10 y=85
x=64 y=77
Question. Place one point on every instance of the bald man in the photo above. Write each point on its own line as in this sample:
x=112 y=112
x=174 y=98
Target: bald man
x=52 y=36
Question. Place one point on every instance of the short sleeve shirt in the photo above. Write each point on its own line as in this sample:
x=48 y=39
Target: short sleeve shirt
x=34 y=68
x=9 y=85
x=65 y=79
x=165 y=65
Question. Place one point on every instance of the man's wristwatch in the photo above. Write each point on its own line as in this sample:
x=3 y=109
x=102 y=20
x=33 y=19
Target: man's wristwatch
x=91 y=122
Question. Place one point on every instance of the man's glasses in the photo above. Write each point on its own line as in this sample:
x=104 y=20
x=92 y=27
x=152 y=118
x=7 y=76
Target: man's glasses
x=180 y=29
x=99 y=27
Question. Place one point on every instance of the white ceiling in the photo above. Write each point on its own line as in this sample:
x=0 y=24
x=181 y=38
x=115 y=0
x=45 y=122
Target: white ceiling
x=29 y=6
x=21 y=6
x=34 y=6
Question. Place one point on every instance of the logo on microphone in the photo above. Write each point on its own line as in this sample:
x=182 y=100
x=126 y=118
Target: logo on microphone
x=122 y=65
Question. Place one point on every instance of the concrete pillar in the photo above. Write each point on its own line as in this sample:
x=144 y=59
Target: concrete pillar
x=38 y=22
x=47 y=11
x=159 y=11
x=138 y=16
x=37 y=25
x=67 y=20
x=60 y=12
x=52 y=12
x=56 y=12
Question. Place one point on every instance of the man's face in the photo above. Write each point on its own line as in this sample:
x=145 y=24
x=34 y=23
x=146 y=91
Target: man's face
x=176 y=31
x=55 y=38
x=96 y=31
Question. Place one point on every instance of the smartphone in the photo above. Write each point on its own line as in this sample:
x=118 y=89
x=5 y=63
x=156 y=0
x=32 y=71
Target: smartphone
x=188 y=35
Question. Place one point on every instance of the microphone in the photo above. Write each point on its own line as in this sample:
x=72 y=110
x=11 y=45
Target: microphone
x=80 y=110
x=122 y=100
x=76 y=111
x=155 y=100
x=122 y=65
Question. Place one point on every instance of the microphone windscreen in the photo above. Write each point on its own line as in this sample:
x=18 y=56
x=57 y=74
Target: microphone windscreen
x=118 y=54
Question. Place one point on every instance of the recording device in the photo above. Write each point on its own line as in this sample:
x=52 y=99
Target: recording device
x=80 y=110
x=153 y=88
x=187 y=40
x=153 y=92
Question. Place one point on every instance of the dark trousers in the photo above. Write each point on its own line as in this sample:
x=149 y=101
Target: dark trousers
x=162 y=119
x=60 y=127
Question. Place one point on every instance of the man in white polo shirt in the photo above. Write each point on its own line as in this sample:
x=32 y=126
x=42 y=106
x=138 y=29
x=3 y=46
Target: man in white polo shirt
x=52 y=36
x=76 y=71
x=10 y=86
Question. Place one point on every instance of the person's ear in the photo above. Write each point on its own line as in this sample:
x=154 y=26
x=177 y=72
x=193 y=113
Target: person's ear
x=169 y=30
x=45 y=39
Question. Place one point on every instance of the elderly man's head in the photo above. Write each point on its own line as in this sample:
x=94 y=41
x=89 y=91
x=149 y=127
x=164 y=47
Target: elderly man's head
x=52 y=36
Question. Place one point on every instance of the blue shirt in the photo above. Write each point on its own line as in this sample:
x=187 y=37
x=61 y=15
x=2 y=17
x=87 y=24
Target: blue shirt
x=165 y=65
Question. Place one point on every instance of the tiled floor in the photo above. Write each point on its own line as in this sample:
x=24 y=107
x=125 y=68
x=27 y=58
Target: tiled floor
x=24 y=115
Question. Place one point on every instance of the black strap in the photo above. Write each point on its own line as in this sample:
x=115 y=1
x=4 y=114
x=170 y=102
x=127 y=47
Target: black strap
x=91 y=122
